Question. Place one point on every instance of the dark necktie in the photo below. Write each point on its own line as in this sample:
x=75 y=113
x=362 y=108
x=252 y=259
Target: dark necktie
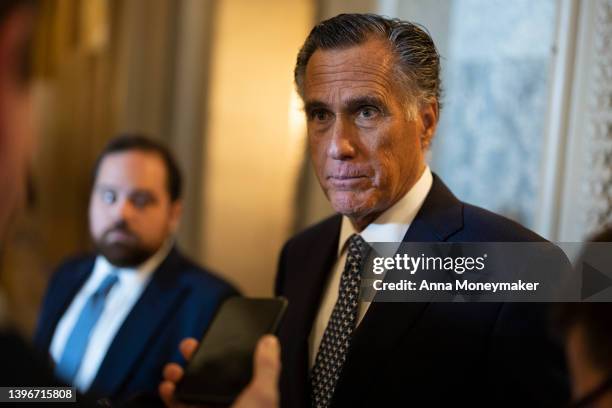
x=76 y=344
x=337 y=336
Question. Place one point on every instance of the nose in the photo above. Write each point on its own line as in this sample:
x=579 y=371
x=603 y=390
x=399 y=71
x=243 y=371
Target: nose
x=342 y=143
x=124 y=209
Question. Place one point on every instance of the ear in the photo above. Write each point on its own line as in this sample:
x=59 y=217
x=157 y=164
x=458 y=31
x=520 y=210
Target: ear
x=429 y=117
x=176 y=212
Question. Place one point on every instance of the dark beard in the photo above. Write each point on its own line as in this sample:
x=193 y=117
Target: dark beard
x=123 y=255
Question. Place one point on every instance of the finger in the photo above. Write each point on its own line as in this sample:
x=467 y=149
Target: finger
x=166 y=392
x=266 y=369
x=188 y=347
x=173 y=372
x=262 y=391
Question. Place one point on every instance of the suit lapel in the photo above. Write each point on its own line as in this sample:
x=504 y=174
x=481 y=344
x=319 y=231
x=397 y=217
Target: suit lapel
x=317 y=269
x=308 y=280
x=63 y=294
x=150 y=311
x=440 y=216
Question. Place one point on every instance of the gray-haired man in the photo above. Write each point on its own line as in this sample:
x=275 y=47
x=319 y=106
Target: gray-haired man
x=371 y=89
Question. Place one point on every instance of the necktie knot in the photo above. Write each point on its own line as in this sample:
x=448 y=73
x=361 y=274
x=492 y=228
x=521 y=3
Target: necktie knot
x=106 y=285
x=356 y=246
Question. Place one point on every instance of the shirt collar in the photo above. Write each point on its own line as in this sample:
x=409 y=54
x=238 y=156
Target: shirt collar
x=391 y=225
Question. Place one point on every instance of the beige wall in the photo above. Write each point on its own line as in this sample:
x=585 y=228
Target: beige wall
x=255 y=138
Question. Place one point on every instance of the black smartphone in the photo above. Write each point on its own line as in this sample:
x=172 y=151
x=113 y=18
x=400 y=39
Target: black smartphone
x=223 y=363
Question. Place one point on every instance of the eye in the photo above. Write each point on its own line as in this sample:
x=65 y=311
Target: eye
x=109 y=196
x=141 y=200
x=368 y=112
x=319 y=115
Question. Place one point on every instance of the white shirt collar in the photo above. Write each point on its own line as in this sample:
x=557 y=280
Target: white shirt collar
x=391 y=225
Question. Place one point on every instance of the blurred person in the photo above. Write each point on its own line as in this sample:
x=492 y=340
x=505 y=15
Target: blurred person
x=15 y=116
x=21 y=364
x=587 y=329
x=371 y=92
x=588 y=332
x=111 y=320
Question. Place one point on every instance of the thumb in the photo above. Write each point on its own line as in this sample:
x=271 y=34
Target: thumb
x=262 y=391
x=266 y=364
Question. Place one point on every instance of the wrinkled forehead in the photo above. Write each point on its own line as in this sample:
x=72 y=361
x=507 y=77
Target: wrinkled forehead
x=339 y=73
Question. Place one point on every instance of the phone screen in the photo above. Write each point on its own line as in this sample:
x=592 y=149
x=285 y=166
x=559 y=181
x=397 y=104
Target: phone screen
x=223 y=363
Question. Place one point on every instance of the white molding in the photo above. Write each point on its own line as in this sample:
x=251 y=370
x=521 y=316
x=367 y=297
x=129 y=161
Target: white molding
x=586 y=199
x=557 y=121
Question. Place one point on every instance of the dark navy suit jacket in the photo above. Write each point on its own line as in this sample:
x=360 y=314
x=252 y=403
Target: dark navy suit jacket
x=179 y=301
x=423 y=354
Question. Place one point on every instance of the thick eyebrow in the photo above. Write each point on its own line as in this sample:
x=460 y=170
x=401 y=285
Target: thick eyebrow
x=312 y=105
x=354 y=104
x=350 y=105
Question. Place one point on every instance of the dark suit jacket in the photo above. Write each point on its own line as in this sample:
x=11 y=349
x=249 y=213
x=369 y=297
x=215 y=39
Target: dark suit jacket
x=423 y=354
x=24 y=366
x=179 y=301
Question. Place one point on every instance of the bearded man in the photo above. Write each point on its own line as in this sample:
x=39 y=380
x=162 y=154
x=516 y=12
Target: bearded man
x=112 y=320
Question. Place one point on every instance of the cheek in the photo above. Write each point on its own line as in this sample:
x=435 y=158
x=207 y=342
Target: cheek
x=98 y=220
x=14 y=158
x=398 y=161
x=317 y=157
x=385 y=166
x=21 y=132
x=153 y=227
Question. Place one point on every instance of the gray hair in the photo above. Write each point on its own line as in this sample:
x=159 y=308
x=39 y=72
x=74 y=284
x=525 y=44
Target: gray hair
x=417 y=67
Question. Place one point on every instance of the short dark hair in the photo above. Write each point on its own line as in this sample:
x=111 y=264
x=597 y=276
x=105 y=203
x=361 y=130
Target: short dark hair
x=417 y=59
x=139 y=142
x=7 y=7
x=594 y=318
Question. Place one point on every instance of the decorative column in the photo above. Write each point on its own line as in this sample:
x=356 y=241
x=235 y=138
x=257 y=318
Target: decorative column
x=586 y=173
x=597 y=189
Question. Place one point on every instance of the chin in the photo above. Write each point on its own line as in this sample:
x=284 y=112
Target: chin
x=125 y=255
x=350 y=204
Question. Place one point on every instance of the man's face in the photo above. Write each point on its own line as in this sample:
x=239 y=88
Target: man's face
x=130 y=211
x=366 y=151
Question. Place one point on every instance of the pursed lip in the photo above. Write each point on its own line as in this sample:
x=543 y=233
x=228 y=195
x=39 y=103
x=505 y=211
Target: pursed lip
x=345 y=181
x=345 y=177
x=120 y=236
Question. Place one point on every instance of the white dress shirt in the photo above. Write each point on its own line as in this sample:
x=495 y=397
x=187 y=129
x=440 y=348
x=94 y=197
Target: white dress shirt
x=390 y=226
x=119 y=302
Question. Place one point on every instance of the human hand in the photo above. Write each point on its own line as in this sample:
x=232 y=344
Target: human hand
x=262 y=391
